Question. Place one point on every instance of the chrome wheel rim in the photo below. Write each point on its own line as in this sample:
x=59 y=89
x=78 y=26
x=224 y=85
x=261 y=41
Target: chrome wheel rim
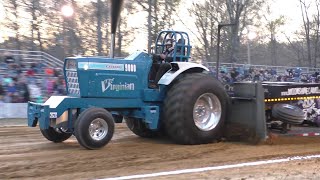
x=98 y=129
x=207 y=112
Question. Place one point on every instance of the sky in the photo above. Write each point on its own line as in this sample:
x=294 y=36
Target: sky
x=292 y=12
x=289 y=8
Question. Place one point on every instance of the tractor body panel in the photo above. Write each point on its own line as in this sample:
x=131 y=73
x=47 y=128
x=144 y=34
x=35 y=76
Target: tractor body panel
x=179 y=68
x=48 y=113
x=108 y=78
x=119 y=85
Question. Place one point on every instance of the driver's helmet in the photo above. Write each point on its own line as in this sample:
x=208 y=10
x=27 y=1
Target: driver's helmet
x=169 y=42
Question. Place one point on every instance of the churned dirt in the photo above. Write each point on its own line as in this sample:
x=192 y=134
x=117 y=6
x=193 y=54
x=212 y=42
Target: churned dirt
x=25 y=154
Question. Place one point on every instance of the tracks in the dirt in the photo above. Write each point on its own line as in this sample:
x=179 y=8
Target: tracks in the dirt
x=24 y=153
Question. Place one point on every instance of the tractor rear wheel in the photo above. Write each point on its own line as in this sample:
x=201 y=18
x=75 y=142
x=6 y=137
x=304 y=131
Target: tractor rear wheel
x=94 y=128
x=56 y=135
x=195 y=109
x=139 y=128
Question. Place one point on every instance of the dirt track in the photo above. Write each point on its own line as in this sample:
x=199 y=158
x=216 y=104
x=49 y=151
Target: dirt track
x=25 y=154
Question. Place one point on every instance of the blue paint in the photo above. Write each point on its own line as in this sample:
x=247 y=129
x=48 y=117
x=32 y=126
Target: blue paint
x=118 y=85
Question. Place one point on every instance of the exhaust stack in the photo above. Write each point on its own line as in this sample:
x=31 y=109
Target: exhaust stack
x=115 y=14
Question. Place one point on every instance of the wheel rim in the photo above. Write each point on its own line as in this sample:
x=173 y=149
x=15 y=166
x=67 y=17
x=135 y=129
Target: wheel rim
x=98 y=129
x=61 y=130
x=207 y=112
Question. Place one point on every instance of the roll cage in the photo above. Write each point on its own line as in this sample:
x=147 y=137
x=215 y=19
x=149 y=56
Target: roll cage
x=181 y=44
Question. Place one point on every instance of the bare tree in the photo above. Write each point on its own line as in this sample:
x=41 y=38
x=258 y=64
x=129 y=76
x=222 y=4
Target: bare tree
x=273 y=26
x=160 y=16
x=235 y=9
x=316 y=31
x=297 y=47
x=306 y=24
x=99 y=15
x=125 y=33
x=207 y=16
x=12 y=23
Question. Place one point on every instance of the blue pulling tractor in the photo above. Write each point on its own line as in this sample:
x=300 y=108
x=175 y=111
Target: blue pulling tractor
x=187 y=103
x=183 y=101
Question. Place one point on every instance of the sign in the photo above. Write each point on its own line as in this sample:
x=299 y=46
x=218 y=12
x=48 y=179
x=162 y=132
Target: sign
x=101 y=66
x=109 y=85
x=290 y=90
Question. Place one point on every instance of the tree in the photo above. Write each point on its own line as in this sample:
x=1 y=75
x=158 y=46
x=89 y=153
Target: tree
x=160 y=16
x=125 y=33
x=99 y=15
x=316 y=31
x=242 y=13
x=306 y=25
x=36 y=10
x=235 y=9
x=12 y=23
x=207 y=16
x=273 y=26
x=210 y=13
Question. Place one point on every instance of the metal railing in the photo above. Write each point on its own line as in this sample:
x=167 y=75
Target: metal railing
x=279 y=69
x=29 y=57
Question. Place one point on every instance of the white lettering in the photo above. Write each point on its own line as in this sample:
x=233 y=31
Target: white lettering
x=301 y=91
x=108 y=85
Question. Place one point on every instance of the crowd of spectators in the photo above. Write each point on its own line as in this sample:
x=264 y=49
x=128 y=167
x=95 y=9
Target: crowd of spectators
x=34 y=82
x=238 y=74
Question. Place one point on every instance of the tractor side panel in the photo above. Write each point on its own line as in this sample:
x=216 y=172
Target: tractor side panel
x=114 y=78
x=114 y=85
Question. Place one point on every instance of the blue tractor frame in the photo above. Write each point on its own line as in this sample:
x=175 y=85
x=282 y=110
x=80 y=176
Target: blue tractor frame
x=120 y=87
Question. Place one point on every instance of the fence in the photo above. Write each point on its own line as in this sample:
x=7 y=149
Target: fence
x=279 y=69
x=26 y=57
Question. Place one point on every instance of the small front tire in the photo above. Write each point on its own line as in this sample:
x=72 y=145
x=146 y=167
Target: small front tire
x=94 y=128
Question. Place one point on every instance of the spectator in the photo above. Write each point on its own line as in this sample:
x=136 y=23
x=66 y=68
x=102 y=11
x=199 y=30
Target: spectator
x=11 y=92
x=1 y=92
x=23 y=91
x=9 y=59
x=6 y=80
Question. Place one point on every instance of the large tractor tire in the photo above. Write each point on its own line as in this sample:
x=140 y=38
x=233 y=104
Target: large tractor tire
x=139 y=128
x=94 y=128
x=195 y=109
x=56 y=135
x=288 y=114
x=117 y=118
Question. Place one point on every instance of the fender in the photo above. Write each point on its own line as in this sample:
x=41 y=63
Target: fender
x=177 y=69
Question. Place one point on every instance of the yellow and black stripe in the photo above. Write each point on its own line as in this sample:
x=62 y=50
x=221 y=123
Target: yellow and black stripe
x=290 y=98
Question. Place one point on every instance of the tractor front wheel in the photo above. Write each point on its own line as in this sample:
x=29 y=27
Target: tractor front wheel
x=195 y=109
x=56 y=135
x=94 y=128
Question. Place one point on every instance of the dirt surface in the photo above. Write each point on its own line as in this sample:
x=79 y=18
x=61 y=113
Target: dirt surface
x=25 y=154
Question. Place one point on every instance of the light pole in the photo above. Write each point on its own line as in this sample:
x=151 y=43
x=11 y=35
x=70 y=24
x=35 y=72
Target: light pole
x=249 y=36
x=218 y=46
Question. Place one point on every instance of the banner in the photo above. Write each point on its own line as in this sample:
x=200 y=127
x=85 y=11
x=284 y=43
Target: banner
x=13 y=110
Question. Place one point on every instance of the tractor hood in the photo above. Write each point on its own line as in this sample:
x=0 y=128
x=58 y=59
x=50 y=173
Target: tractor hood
x=107 y=77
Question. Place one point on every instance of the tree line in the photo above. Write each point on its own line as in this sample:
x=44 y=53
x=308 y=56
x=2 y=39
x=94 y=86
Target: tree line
x=40 y=25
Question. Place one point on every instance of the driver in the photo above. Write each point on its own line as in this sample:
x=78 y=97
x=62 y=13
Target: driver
x=168 y=52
